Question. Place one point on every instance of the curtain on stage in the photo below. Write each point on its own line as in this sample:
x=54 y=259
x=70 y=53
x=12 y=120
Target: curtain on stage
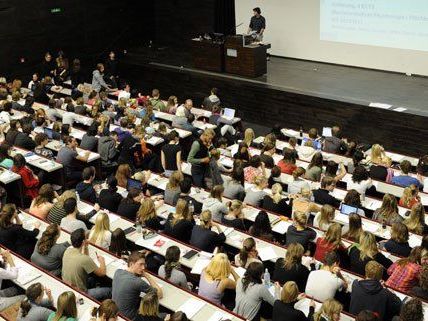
x=225 y=17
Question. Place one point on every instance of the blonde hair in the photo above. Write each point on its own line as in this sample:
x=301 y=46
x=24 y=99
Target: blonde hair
x=249 y=136
x=219 y=267
x=260 y=180
x=416 y=220
x=293 y=256
x=300 y=218
x=149 y=304
x=65 y=196
x=378 y=154
x=101 y=227
x=174 y=180
x=388 y=208
x=328 y=309
x=290 y=291
x=327 y=215
x=181 y=211
x=276 y=193
x=409 y=194
x=334 y=234
x=147 y=210
x=368 y=246
x=205 y=219
x=235 y=205
x=66 y=306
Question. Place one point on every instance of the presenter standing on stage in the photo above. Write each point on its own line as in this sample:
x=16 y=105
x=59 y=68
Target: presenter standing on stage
x=257 y=24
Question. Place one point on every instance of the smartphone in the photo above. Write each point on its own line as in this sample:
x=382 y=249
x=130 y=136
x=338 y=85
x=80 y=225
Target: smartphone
x=190 y=254
x=129 y=230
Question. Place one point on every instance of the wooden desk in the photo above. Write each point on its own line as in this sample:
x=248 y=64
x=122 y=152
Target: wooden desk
x=208 y=55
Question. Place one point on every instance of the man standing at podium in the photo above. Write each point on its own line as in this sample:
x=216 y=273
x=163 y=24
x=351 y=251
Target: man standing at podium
x=257 y=24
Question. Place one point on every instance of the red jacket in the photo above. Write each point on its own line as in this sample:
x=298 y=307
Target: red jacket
x=286 y=168
x=30 y=183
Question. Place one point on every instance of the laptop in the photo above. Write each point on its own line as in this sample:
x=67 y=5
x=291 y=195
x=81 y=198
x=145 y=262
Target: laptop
x=347 y=209
x=48 y=132
x=229 y=113
x=133 y=183
x=315 y=143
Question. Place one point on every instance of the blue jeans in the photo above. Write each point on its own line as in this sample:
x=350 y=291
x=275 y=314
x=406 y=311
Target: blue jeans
x=100 y=294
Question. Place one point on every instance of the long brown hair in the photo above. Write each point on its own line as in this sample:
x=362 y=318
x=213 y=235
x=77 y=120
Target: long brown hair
x=294 y=254
x=416 y=221
x=48 y=239
x=388 y=208
x=32 y=293
x=248 y=245
x=122 y=174
x=66 y=306
x=6 y=215
x=181 y=212
x=355 y=227
x=107 y=310
x=46 y=195
x=414 y=257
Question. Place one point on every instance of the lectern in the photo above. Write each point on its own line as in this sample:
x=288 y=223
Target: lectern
x=208 y=55
x=245 y=58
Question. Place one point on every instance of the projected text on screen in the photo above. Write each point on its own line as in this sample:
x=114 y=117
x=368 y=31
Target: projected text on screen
x=387 y=23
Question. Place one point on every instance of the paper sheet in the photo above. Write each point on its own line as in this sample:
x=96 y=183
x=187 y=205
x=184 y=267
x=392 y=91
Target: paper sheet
x=281 y=227
x=26 y=274
x=267 y=253
x=191 y=307
x=380 y=105
x=200 y=264
x=219 y=316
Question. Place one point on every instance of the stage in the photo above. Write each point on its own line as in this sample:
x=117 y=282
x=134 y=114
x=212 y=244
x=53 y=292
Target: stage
x=296 y=92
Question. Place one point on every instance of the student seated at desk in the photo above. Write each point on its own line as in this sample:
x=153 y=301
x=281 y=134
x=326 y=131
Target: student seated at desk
x=100 y=233
x=118 y=244
x=203 y=238
x=410 y=197
x=322 y=195
x=331 y=241
x=299 y=233
x=23 y=139
x=388 y=212
x=128 y=285
x=68 y=154
x=172 y=189
x=147 y=215
x=288 y=163
x=398 y=244
x=261 y=227
x=12 y=234
x=43 y=203
x=254 y=169
x=30 y=181
x=215 y=204
x=109 y=198
x=172 y=105
x=306 y=151
x=283 y=309
x=13 y=131
x=416 y=220
x=234 y=188
x=361 y=180
x=254 y=195
x=70 y=222
x=66 y=308
x=171 y=271
x=405 y=179
x=129 y=205
x=331 y=170
x=266 y=155
x=57 y=213
x=149 y=308
x=41 y=141
x=364 y=251
x=324 y=283
x=235 y=218
x=214 y=280
x=354 y=228
x=314 y=170
x=179 y=225
x=291 y=268
x=8 y=271
x=421 y=289
x=48 y=253
x=185 y=189
x=248 y=253
x=325 y=217
x=370 y=294
x=404 y=274
x=353 y=198
x=86 y=189
x=242 y=154
x=106 y=311
x=298 y=182
x=251 y=292
x=89 y=139
x=34 y=307
x=277 y=203
x=5 y=159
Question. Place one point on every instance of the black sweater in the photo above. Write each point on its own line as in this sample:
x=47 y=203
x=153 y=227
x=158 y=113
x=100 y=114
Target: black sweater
x=206 y=240
x=286 y=311
x=298 y=273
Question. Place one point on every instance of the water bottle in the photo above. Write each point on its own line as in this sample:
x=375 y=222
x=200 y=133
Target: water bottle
x=77 y=197
x=191 y=207
x=266 y=278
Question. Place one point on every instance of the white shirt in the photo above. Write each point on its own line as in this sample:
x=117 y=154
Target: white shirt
x=322 y=285
x=68 y=118
x=5 y=117
x=124 y=94
x=360 y=187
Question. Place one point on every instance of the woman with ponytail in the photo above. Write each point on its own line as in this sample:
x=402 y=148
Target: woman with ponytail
x=34 y=307
x=106 y=311
x=47 y=253
x=248 y=253
x=171 y=269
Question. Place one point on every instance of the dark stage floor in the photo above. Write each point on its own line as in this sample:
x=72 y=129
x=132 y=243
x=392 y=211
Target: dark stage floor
x=342 y=83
